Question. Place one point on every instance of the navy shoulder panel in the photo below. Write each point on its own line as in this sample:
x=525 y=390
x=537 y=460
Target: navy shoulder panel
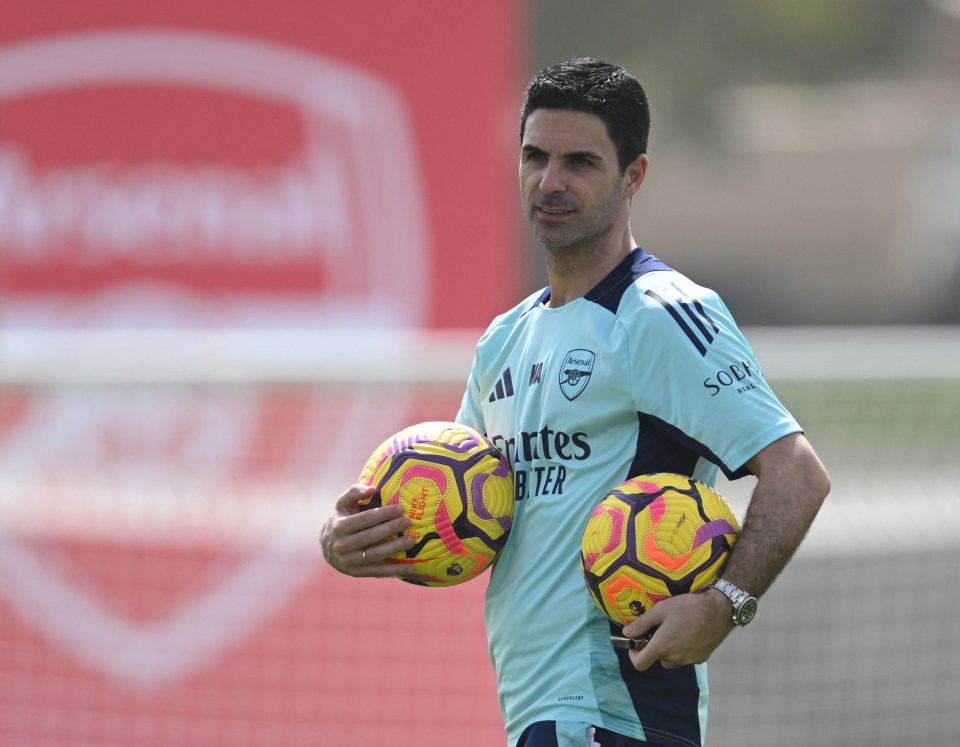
x=610 y=290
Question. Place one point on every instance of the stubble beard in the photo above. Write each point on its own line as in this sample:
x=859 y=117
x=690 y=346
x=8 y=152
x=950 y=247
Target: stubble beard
x=569 y=248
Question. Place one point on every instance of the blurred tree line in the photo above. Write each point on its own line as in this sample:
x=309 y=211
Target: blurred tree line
x=683 y=50
x=791 y=136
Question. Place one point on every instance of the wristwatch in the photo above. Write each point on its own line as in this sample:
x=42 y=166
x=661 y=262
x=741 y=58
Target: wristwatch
x=744 y=605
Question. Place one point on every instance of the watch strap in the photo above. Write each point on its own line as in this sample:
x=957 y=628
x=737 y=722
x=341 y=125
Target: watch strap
x=744 y=604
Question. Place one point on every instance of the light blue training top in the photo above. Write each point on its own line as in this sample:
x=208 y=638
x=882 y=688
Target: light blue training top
x=646 y=373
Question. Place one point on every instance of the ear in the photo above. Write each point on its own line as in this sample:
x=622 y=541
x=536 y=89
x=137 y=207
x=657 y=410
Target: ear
x=635 y=173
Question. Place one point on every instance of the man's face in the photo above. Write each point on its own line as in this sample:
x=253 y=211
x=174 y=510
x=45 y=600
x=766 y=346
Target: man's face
x=570 y=181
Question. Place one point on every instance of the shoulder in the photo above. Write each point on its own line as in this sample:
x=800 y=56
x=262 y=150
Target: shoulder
x=667 y=308
x=639 y=281
x=666 y=291
x=644 y=284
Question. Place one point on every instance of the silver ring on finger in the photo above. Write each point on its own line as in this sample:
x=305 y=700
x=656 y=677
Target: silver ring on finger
x=364 y=556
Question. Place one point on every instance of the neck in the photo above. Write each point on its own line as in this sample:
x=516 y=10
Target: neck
x=574 y=271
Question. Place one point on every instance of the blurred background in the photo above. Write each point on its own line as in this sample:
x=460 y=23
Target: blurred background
x=241 y=244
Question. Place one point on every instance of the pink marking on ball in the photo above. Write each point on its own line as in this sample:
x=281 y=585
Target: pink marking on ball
x=616 y=518
x=425 y=471
x=450 y=540
x=647 y=487
x=658 y=507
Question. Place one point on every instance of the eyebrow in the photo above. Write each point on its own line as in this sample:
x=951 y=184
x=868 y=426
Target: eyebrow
x=587 y=154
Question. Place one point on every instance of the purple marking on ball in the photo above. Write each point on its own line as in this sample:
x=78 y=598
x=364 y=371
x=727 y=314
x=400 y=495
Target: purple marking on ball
x=639 y=500
x=716 y=528
x=476 y=491
x=461 y=448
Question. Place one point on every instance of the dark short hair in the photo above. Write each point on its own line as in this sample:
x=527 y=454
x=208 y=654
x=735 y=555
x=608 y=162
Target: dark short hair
x=595 y=86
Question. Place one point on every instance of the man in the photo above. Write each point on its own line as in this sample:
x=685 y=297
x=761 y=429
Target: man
x=662 y=382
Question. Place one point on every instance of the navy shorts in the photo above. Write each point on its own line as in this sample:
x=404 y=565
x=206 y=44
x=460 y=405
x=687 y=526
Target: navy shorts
x=573 y=734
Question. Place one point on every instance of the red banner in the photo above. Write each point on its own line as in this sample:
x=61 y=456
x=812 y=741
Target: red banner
x=290 y=164
x=261 y=167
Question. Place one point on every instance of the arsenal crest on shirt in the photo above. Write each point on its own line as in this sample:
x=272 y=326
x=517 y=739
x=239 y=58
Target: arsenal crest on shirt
x=575 y=372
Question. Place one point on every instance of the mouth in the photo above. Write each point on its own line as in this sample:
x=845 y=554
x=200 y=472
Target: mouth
x=552 y=213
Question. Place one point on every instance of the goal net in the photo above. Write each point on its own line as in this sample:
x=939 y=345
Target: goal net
x=161 y=582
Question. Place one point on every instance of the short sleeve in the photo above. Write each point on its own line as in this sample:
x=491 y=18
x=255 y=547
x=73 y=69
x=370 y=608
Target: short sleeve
x=694 y=375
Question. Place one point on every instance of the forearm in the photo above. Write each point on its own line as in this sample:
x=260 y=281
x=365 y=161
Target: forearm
x=791 y=487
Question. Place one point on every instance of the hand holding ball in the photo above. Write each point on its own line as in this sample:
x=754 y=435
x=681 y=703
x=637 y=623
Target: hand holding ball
x=457 y=489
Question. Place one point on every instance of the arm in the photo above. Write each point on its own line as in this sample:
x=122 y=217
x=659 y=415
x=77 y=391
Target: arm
x=357 y=542
x=791 y=487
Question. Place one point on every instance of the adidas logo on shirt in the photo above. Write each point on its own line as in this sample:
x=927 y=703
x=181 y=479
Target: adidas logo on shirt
x=503 y=387
x=704 y=329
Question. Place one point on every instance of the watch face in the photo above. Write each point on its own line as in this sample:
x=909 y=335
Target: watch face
x=747 y=612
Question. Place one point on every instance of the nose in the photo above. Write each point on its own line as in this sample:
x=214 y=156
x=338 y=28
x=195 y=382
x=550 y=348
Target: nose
x=551 y=178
